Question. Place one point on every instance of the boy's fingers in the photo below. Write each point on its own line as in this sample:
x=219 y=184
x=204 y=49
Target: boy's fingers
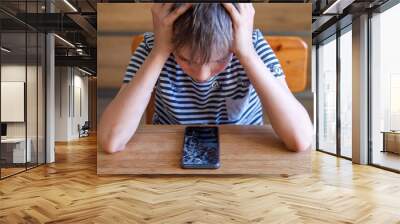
x=156 y=7
x=242 y=7
x=233 y=12
x=178 y=11
x=249 y=7
x=167 y=6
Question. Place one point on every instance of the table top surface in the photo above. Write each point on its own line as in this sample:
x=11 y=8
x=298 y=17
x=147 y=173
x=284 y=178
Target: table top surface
x=13 y=140
x=157 y=149
x=391 y=132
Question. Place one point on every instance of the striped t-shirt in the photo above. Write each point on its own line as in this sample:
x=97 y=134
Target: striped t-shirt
x=226 y=98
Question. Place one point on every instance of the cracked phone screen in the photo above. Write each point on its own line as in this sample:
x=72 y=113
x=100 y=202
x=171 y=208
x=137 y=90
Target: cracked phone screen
x=201 y=147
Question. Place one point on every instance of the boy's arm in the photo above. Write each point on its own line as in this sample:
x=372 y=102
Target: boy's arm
x=288 y=117
x=122 y=116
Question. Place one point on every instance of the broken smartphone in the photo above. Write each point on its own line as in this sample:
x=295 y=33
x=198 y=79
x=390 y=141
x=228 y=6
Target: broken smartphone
x=200 y=148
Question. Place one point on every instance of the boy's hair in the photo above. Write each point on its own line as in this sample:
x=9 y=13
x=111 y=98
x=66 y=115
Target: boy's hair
x=205 y=28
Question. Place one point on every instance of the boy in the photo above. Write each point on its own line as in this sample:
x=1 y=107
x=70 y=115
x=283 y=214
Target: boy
x=206 y=66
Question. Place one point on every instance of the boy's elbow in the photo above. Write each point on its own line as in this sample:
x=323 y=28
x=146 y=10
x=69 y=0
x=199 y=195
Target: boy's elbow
x=301 y=144
x=301 y=147
x=108 y=140
x=108 y=148
x=111 y=144
x=111 y=147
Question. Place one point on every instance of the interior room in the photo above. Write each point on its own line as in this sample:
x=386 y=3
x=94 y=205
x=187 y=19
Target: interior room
x=63 y=62
x=29 y=58
x=22 y=100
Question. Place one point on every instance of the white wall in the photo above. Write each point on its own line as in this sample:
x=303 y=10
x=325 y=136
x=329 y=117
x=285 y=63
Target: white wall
x=62 y=82
x=12 y=73
x=79 y=117
x=33 y=127
x=71 y=87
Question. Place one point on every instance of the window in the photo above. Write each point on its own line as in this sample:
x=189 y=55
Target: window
x=385 y=89
x=22 y=77
x=329 y=112
x=346 y=93
x=327 y=96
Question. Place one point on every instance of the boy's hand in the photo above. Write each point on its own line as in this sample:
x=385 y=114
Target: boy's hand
x=242 y=22
x=163 y=21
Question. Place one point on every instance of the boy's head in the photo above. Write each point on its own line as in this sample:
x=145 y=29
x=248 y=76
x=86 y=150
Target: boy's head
x=202 y=39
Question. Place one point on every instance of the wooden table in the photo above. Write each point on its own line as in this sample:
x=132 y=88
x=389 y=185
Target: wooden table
x=156 y=149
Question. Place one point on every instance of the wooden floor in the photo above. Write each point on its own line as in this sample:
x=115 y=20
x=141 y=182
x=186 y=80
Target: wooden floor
x=69 y=191
x=5 y=172
x=8 y=171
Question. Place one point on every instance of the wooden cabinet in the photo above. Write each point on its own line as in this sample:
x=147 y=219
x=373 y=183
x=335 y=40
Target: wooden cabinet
x=13 y=151
x=391 y=141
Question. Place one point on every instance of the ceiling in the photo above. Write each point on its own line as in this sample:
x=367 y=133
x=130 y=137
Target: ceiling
x=331 y=15
x=73 y=20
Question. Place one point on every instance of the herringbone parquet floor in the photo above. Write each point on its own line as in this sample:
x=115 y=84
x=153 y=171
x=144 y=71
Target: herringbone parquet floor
x=69 y=191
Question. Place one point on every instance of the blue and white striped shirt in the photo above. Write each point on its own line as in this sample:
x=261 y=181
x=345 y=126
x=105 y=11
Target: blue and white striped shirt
x=227 y=98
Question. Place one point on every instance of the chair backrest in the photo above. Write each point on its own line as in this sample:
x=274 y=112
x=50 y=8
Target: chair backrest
x=86 y=125
x=292 y=53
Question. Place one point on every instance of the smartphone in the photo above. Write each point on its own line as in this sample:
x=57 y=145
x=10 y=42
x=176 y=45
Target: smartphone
x=200 y=148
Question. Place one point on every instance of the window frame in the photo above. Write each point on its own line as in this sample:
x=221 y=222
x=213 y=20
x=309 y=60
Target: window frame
x=333 y=37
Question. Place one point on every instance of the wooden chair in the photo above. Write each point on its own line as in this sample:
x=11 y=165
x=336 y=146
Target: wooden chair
x=292 y=53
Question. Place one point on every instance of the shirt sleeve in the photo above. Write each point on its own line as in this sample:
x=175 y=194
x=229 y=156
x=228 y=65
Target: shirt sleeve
x=138 y=57
x=267 y=55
